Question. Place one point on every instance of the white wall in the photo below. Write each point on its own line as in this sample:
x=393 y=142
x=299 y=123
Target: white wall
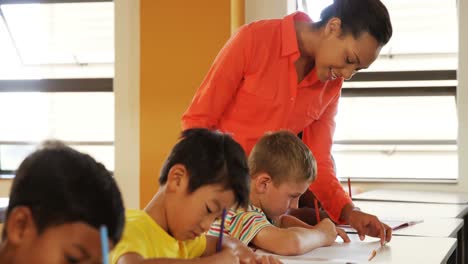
x=5 y=187
x=127 y=100
x=462 y=94
x=265 y=9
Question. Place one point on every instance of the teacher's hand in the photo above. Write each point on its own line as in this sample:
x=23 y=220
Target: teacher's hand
x=370 y=225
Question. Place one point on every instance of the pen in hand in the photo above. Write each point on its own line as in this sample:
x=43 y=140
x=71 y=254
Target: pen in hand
x=221 y=231
x=104 y=245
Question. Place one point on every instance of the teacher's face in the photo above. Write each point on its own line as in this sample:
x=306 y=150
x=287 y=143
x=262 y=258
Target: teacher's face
x=342 y=55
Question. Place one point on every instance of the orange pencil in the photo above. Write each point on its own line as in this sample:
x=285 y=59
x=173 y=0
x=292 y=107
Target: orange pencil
x=317 y=213
x=374 y=252
x=349 y=188
x=372 y=255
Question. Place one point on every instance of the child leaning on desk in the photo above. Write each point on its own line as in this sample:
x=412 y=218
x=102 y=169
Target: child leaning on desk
x=205 y=173
x=281 y=169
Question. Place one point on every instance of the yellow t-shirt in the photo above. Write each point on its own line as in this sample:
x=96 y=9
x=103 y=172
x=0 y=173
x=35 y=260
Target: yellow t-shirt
x=142 y=235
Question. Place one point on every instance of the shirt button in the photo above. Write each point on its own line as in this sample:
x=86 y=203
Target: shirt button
x=292 y=98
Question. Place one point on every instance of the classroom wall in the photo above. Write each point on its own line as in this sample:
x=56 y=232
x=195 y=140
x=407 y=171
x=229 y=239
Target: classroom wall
x=266 y=9
x=237 y=13
x=127 y=100
x=462 y=94
x=179 y=41
x=5 y=187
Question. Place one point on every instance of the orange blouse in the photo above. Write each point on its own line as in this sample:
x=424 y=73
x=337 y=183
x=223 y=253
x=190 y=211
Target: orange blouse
x=252 y=88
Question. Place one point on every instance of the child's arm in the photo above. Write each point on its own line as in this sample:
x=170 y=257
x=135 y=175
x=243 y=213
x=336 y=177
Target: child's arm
x=295 y=240
x=244 y=253
x=287 y=221
x=225 y=256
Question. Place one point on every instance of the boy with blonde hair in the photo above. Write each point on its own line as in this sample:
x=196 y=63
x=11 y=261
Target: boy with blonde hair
x=281 y=169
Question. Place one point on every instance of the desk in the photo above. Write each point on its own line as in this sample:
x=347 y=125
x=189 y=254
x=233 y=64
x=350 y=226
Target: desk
x=432 y=227
x=440 y=220
x=413 y=196
x=401 y=250
x=412 y=210
x=444 y=227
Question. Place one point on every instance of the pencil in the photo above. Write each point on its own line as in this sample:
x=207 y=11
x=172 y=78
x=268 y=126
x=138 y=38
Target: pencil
x=349 y=188
x=317 y=213
x=385 y=236
x=374 y=252
x=221 y=231
x=104 y=245
x=372 y=255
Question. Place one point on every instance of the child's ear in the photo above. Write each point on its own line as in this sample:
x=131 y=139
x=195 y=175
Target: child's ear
x=262 y=182
x=177 y=178
x=333 y=27
x=20 y=225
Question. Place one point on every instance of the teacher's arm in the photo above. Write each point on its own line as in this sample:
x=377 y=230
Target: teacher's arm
x=318 y=136
x=328 y=190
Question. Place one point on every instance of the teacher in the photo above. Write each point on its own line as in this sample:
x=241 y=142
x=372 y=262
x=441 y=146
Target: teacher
x=287 y=74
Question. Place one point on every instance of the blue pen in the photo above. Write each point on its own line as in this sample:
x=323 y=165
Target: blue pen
x=104 y=245
x=220 y=240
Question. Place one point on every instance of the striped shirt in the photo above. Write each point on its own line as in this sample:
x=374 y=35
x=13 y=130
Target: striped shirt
x=243 y=224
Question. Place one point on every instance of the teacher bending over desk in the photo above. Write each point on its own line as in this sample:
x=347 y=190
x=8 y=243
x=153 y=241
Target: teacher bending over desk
x=287 y=74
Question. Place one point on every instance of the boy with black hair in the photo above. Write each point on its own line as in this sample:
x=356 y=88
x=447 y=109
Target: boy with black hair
x=205 y=173
x=58 y=201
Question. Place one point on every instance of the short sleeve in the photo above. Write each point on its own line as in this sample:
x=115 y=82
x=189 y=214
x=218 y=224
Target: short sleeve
x=134 y=240
x=246 y=225
x=196 y=247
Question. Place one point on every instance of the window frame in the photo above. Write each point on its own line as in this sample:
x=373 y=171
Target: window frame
x=52 y=85
x=389 y=76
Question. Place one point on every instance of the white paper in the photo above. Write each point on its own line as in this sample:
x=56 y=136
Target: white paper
x=354 y=252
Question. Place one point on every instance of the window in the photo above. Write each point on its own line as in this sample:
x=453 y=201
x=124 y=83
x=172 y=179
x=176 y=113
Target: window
x=397 y=121
x=56 y=78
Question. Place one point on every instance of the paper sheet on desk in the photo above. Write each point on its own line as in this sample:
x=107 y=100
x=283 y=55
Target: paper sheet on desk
x=393 y=224
x=294 y=261
x=339 y=252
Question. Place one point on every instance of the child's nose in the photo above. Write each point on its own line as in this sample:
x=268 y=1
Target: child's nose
x=206 y=224
x=294 y=204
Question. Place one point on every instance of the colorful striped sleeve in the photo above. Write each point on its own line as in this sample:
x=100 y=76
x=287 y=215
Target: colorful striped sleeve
x=216 y=226
x=246 y=225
